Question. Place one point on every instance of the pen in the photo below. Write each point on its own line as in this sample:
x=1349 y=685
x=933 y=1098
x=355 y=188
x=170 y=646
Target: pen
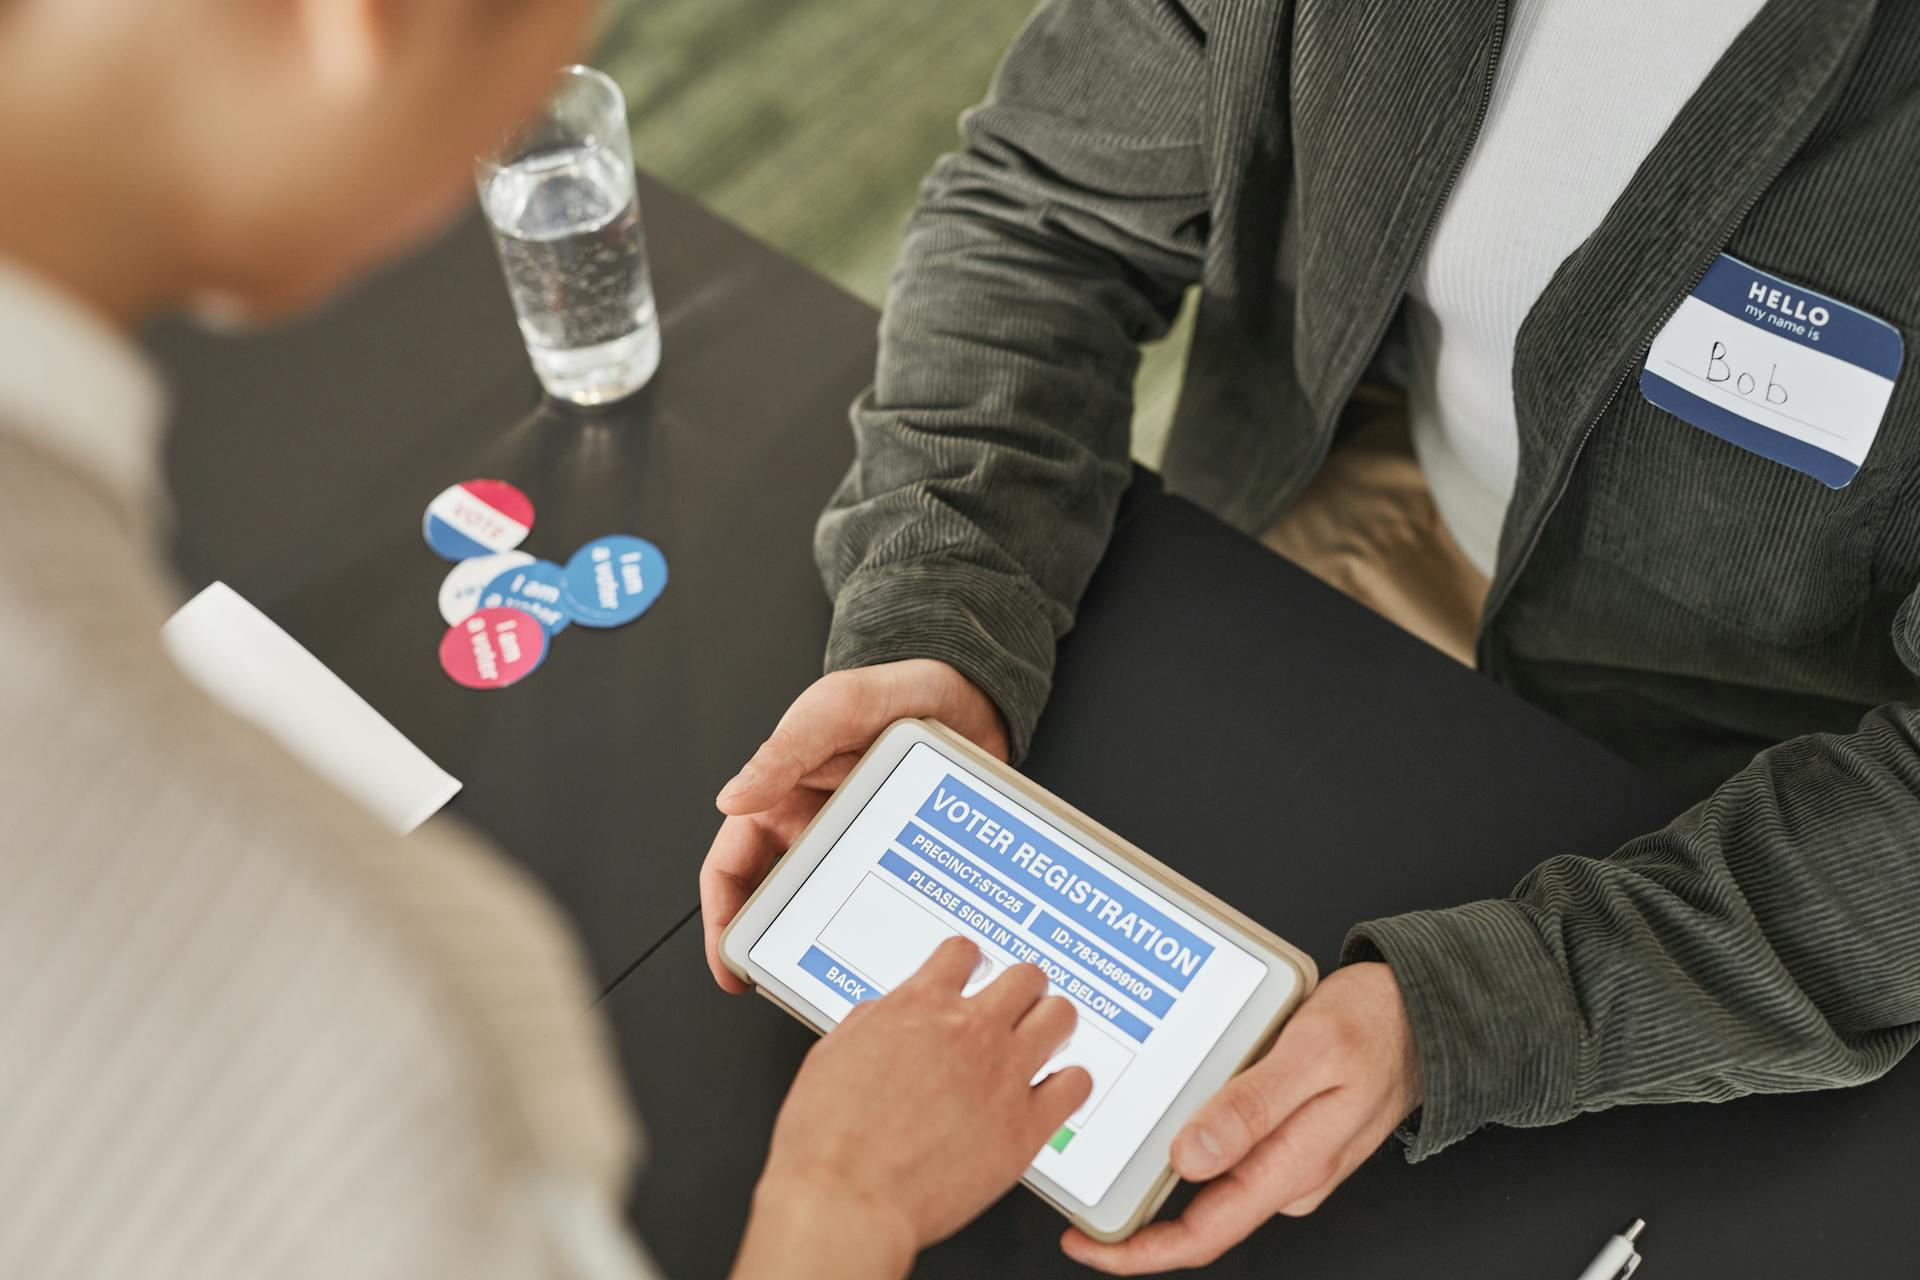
x=1617 y=1259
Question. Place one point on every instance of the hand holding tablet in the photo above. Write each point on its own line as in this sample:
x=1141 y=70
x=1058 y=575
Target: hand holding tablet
x=809 y=753
x=929 y=838
x=1284 y=1133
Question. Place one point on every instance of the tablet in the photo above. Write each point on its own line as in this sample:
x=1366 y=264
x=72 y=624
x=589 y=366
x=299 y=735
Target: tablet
x=930 y=837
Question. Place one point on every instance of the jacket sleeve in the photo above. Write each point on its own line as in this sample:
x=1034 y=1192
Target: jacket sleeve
x=1766 y=941
x=992 y=448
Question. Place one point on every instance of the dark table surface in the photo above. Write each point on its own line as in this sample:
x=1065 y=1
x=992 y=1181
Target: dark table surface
x=1317 y=767
x=1277 y=743
x=304 y=458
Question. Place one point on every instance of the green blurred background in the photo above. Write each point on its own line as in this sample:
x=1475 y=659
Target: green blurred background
x=810 y=123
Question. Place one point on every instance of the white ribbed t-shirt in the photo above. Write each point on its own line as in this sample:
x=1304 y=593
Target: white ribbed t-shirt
x=1582 y=92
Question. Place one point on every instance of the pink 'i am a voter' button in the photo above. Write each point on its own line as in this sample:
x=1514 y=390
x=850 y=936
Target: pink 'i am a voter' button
x=493 y=648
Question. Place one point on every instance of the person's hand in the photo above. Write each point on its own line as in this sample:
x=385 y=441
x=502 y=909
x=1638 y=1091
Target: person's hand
x=909 y=1118
x=1286 y=1131
x=811 y=751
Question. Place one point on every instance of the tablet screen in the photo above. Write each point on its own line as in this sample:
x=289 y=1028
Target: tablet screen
x=938 y=851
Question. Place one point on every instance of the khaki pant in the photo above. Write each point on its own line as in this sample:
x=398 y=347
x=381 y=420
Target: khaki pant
x=1367 y=526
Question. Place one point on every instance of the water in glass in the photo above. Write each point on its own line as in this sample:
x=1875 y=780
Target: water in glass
x=567 y=225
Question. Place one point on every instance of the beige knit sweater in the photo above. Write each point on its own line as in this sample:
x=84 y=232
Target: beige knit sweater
x=244 y=1030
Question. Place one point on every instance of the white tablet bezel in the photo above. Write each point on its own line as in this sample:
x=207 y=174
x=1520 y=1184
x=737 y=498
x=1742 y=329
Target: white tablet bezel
x=1144 y=1184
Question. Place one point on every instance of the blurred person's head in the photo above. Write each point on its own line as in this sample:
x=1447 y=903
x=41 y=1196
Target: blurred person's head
x=259 y=152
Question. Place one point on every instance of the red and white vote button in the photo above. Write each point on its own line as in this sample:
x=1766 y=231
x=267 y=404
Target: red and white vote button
x=477 y=517
x=493 y=648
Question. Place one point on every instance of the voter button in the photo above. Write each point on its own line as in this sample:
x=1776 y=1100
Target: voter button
x=460 y=592
x=613 y=580
x=493 y=648
x=531 y=588
x=476 y=518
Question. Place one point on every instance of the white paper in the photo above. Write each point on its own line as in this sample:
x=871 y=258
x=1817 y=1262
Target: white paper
x=243 y=661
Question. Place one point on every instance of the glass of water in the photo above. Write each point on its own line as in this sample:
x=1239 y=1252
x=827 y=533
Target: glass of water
x=559 y=196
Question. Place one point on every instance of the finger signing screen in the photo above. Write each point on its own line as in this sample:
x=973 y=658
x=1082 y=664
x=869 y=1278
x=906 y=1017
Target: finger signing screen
x=938 y=851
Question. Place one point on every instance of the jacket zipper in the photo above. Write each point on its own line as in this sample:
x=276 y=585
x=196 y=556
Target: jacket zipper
x=1499 y=598
x=1426 y=234
x=1459 y=162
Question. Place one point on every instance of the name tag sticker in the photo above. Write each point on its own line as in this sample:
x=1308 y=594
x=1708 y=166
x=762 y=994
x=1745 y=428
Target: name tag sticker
x=1776 y=369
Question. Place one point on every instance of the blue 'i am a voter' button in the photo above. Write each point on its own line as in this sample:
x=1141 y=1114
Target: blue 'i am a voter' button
x=613 y=580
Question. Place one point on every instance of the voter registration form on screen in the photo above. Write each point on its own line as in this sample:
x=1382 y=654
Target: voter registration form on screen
x=937 y=852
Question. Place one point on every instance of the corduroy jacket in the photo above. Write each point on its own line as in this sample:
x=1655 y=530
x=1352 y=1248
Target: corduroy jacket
x=1735 y=626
